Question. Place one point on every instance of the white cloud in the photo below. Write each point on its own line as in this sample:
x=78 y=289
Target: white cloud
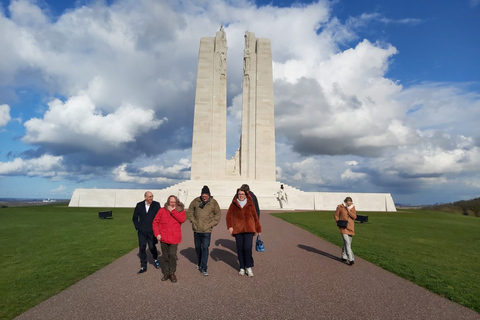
x=438 y=155
x=307 y=171
x=158 y=174
x=4 y=115
x=349 y=174
x=46 y=166
x=175 y=170
x=442 y=106
x=78 y=122
x=365 y=18
x=343 y=105
x=59 y=189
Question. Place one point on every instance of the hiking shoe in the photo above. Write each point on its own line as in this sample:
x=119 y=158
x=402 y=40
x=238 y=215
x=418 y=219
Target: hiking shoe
x=241 y=272
x=204 y=272
x=157 y=264
x=166 y=276
x=249 y=272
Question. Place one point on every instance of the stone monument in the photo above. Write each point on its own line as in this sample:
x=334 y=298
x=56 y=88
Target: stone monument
x=254 y=162
x=256 y=157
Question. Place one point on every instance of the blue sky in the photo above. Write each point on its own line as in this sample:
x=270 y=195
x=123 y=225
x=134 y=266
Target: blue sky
x=370 y=96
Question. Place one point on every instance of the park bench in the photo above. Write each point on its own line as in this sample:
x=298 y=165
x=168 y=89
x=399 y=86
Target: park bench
x=105 y=214
x=361 y=218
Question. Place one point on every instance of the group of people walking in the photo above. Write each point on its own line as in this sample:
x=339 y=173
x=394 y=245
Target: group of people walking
x=163 y=224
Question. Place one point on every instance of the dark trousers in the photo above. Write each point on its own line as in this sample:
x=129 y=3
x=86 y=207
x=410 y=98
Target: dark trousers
x=169 y=257
x=143 y=240
x=202 y=242
x=244 y=249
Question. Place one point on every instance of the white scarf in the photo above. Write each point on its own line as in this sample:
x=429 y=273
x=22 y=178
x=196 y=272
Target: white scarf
x=242 y=203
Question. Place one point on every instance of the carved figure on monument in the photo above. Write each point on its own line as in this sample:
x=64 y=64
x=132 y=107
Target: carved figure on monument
x=247 y=40
x=246 y=54
x=223 y=37
x=246 y=64
x=223 y=60
x=221 y=45
x=221 y=51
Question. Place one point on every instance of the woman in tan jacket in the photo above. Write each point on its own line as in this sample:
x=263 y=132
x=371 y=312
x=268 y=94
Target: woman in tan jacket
x=346 y=211
x=243 y=224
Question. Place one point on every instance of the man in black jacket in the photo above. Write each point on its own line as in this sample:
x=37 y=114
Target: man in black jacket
x=246 y=188
x=143 y=216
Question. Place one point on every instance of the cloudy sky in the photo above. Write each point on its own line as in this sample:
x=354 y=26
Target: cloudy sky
x=370 y=96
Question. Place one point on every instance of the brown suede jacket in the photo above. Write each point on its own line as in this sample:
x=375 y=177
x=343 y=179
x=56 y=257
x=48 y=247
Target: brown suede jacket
x=243 y=220
x=342 y=213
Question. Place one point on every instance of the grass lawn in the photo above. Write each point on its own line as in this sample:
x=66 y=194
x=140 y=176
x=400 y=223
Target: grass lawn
x=46 y=249
x=438 y=251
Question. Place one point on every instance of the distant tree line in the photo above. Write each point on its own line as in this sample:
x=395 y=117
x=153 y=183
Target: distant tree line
x=466 y=207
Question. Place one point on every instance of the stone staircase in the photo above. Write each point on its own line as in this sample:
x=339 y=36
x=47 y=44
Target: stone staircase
x=224 y=191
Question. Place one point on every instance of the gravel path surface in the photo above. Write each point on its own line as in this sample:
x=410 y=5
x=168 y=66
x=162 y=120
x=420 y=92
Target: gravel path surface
x=299 y=276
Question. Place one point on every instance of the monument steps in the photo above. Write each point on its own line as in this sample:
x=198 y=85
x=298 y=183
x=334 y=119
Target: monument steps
x=224 y=191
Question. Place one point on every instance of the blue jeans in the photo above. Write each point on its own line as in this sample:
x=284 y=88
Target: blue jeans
x=202 y=242
x=244 y=249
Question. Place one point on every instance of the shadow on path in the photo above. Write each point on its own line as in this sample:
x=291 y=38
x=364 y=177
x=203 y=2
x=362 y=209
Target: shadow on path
x=314 y=250
x=190 y=254
x=223 y=255
x=229 y=244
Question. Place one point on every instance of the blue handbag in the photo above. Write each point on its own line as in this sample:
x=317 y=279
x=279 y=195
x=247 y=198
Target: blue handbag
x=259 y=244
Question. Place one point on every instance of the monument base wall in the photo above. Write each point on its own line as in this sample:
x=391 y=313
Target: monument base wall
x=224 y=191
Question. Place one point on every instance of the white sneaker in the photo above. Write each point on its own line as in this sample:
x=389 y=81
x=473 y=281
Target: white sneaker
x=241 y=272
x=249 y=272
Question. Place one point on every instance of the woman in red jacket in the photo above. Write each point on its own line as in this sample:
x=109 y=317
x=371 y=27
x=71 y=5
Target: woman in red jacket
x=167 y=228
x=346 y=211
x=243 y=224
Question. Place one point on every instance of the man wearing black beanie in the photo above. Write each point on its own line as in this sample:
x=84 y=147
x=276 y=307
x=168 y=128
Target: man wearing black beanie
x=204 y=214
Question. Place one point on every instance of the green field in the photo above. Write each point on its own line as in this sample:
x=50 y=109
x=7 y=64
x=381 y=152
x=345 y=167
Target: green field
x=46 y=249
x=438 y=251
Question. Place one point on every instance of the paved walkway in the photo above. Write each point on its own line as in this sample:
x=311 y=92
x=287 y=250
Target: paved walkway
x=299 y=276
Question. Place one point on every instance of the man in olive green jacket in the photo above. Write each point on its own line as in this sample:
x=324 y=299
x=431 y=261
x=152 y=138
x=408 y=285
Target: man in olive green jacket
x=204 y=214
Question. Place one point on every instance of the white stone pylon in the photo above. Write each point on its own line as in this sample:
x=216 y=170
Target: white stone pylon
x=257 y=147
x=210 y=121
